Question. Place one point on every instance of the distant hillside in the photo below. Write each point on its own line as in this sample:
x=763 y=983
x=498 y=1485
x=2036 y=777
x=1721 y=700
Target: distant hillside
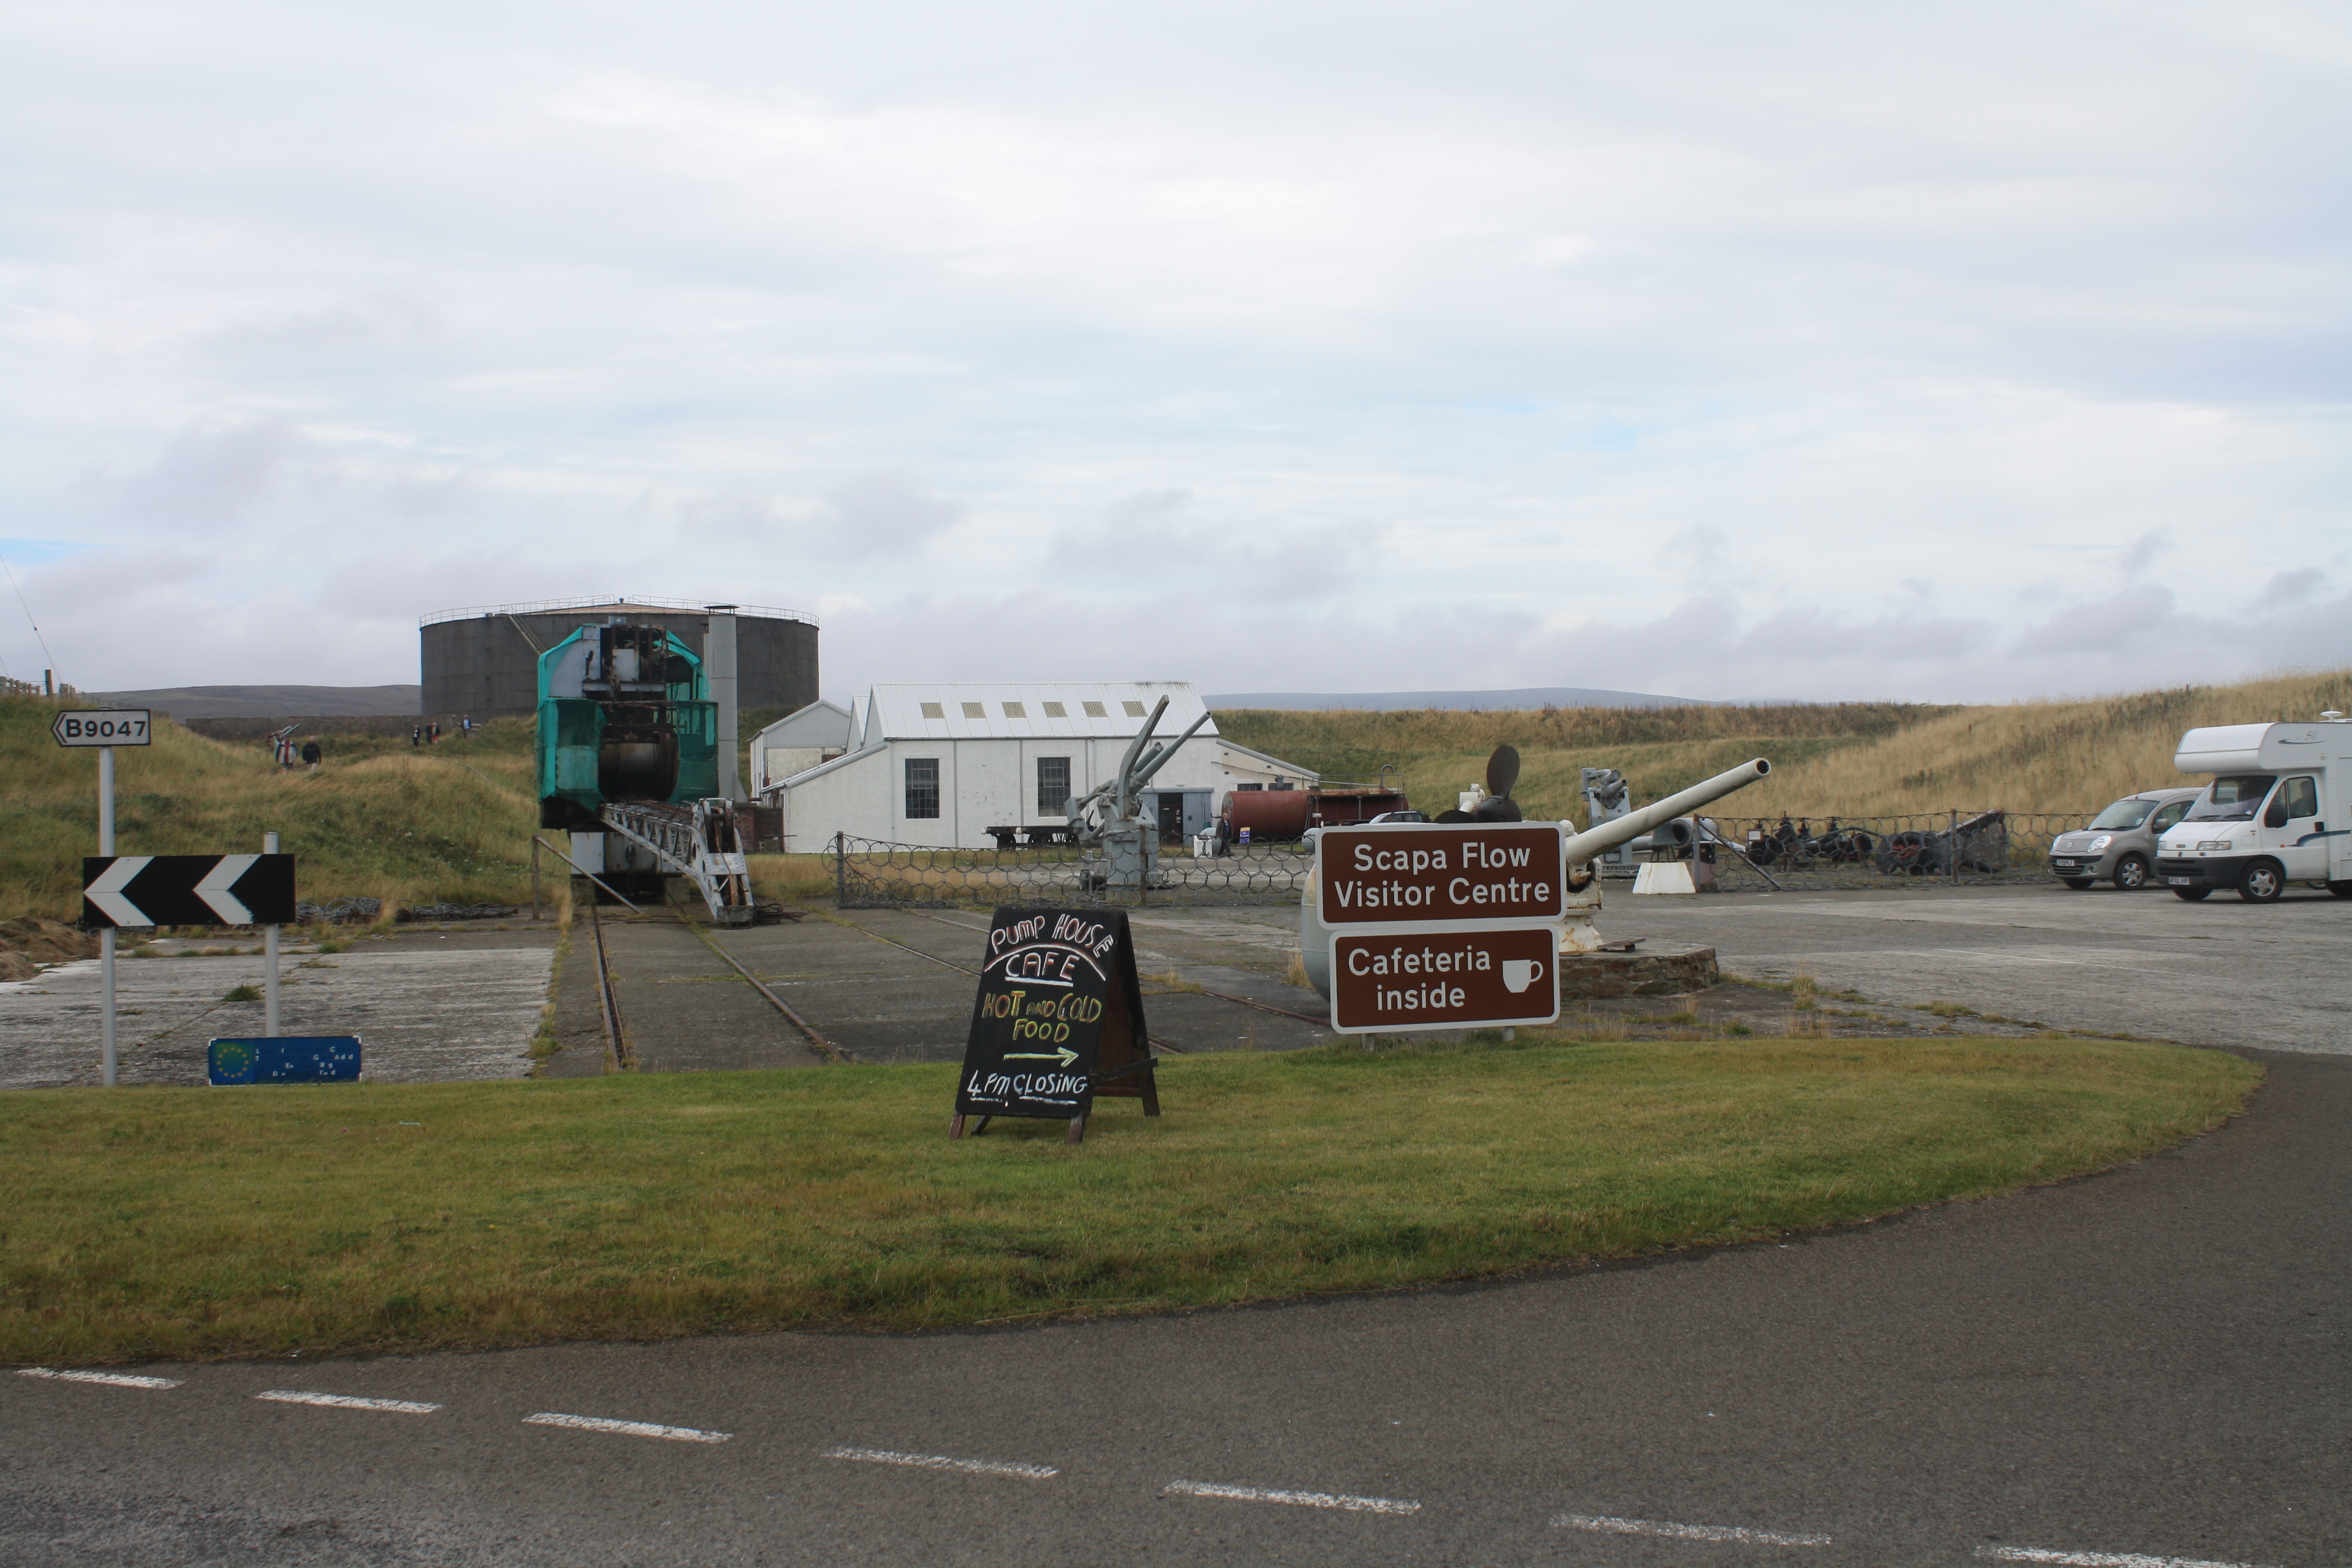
x=1846 y=759
x=267 y=702
x=2038 y=756
x=1525 y=697
x=1437 y=754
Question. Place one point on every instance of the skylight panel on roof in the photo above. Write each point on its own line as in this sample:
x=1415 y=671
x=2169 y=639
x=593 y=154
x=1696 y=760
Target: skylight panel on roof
x=1097 y=711
x=1134 y=708
x=975 y=710
x=1055 y=710
x=1015 y=711
x=935 y=710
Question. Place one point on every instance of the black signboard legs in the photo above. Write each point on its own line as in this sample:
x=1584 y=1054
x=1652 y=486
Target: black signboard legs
x=1058 y=1020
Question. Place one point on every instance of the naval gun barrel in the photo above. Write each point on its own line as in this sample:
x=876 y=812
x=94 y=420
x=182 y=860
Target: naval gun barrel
x=1583 y=846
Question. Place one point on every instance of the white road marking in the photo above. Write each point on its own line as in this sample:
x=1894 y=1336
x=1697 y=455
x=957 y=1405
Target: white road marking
x=1606 y=1526
x=112 y=1379
x=626 y=1428
x=346 y=1401
x=1296 y=1500
x=2095 y=1559
x=943 y=1462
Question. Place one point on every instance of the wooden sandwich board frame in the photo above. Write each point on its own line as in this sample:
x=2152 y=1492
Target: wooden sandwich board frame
x=1057 y=987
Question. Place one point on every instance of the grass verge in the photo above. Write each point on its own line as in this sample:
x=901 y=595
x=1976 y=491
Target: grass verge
x=147 y=1223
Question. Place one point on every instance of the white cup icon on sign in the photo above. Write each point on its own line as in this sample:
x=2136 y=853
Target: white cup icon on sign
x=1518 y=973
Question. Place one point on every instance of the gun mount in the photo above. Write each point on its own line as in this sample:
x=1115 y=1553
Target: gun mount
x=1607 y=797
x=1584 y=883
x=1114 y=816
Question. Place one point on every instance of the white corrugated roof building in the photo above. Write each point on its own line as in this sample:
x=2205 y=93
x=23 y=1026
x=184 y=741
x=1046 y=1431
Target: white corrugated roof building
x=942 y=764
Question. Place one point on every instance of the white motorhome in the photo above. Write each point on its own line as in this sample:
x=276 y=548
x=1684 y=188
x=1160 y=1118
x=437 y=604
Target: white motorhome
x=2263 y=823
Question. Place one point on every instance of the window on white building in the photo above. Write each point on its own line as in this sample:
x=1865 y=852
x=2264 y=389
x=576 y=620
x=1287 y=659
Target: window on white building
x=1052 y=785
x=922 y=787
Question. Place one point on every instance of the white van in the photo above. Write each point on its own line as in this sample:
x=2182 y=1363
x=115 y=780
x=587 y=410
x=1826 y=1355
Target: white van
x=2264 y=822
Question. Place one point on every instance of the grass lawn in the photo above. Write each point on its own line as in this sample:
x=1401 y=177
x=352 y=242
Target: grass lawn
x=157 y=1222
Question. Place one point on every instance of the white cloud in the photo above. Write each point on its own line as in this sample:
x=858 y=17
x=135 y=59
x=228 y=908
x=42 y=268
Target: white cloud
x=1790 y=354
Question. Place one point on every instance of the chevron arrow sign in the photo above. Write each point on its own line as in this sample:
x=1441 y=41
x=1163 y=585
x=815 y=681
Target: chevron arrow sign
x=187 y=890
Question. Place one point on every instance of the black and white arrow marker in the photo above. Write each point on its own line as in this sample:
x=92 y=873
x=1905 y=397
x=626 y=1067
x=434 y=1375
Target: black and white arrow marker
x=187 y=889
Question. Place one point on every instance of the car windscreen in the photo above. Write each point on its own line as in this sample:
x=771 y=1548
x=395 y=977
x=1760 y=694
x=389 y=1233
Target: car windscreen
x=2129 y=812
x=2231 y=798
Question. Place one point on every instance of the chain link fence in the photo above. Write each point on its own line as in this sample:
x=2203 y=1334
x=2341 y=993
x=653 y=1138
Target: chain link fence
x=1949 y=847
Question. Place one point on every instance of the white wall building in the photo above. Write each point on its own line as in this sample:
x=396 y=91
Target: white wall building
x=796 y=742
x=941 y=765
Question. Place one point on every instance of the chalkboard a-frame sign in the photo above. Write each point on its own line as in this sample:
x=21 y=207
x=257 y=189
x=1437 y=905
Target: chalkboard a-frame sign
x=1058 y=1020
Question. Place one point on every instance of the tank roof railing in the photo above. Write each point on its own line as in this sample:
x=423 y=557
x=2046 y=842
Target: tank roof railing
x=608 y=602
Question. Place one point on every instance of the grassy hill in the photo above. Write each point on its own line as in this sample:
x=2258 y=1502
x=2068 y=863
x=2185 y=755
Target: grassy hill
x=378 y=818
x=1847 y=759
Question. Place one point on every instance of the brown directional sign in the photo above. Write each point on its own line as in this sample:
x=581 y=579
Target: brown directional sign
x=1417 y=872
x=1443 y=979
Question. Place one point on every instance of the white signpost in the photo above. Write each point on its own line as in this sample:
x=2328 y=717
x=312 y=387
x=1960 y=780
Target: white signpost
x=105 y=728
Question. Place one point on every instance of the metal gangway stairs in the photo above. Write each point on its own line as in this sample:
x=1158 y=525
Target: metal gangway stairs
x=699 y=842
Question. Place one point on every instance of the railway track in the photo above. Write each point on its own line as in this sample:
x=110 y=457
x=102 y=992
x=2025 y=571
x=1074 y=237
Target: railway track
x=618 y=1056
x=621 y=1056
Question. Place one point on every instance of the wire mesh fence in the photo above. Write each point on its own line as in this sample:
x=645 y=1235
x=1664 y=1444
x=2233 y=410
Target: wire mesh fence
x=1966 y=848
x=870 y=874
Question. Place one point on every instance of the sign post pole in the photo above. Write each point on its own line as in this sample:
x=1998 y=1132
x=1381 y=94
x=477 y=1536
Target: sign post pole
x=104 y=727
x=270 y=946
x=106 y=937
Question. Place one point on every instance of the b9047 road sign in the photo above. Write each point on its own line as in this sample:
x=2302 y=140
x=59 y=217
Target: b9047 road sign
x=1419 y=872
x=101 y=727
x=187 y=890
x=1443 y=978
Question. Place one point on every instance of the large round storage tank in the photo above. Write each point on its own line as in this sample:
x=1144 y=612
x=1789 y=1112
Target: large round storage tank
x=485 y=660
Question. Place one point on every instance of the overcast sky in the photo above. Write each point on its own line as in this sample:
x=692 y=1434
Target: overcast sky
x=1727 y=350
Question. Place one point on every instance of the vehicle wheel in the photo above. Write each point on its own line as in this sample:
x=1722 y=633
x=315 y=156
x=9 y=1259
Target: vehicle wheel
x=2193 y=895
x=2341 y=889
x=2131 y=873
x=2077 y=883
x=2264 y=882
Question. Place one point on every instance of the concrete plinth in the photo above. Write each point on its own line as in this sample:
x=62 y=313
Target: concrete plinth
x=1660 y=969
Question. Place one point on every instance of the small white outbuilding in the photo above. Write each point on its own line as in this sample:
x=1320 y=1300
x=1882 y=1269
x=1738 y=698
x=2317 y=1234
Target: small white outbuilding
x=964 y=766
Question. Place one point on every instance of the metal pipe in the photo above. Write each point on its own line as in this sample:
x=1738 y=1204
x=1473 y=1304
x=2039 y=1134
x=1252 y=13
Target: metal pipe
x=719 y=663
x=269 y=959
x=1154 y=764
x=1122 y=798
x=1583 y=846
x=106 y=936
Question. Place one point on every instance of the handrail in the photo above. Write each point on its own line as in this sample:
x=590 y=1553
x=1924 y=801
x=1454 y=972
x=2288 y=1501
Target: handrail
x=612 y=602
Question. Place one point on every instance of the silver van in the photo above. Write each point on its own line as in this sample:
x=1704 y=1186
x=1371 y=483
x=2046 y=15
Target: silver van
x=2119 y=845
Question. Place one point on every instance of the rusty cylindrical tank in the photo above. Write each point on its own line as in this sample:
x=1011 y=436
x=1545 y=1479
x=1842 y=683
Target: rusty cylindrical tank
x=1268 y=814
